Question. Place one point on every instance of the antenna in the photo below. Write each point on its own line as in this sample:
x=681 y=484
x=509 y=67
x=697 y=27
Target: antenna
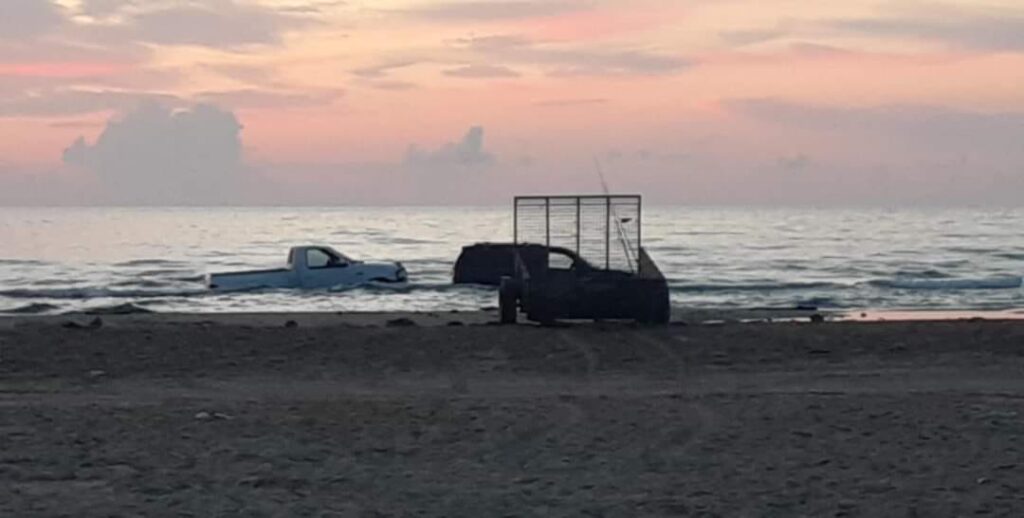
x=623 y=237
x=600 y=175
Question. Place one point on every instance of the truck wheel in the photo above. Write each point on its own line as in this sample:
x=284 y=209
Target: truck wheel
x=508 y=301
x=656 y=313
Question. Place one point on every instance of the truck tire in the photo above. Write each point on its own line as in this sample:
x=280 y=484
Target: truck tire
x=508 y=301
x=656 y=312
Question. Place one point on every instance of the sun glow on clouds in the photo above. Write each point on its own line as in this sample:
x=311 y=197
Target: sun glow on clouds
x=553 y=82
x=60 y=70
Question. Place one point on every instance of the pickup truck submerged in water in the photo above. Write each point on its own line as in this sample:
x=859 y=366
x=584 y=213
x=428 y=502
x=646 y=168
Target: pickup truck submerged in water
x=310 y=267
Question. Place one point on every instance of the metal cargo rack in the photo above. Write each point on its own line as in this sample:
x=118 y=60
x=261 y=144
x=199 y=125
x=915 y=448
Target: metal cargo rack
x=581 y=257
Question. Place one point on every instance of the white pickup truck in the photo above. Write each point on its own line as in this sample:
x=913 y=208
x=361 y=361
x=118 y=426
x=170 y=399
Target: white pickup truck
x=310 y=267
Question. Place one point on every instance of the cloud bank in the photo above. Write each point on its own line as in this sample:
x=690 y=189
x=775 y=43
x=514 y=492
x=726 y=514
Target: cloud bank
x=959 y=27
x=27 y=18
x=900 y=130
x=493 y=10
x=465 y=153
x=481 y=72
x=154 y=155
x=208 y=23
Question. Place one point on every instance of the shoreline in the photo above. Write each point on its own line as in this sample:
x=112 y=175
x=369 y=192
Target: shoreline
x=489 y=316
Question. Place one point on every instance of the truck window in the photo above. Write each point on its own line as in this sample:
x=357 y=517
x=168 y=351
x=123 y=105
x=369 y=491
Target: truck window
x=559 y=261
x=316 y=258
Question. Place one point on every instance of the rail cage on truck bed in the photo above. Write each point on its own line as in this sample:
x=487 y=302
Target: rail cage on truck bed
x=594 y=265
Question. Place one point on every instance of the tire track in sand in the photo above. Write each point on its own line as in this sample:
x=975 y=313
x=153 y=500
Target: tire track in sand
x=590 y=356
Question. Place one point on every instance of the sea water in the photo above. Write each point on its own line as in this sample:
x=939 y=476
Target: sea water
x=67 y=259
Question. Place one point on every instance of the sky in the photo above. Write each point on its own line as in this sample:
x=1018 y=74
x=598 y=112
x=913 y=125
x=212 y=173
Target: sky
x=342 y=102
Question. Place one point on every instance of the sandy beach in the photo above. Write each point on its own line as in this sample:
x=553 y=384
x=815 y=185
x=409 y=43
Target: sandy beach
x=448 y=415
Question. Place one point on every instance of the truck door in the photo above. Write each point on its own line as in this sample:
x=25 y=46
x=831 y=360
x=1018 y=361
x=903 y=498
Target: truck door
x=325 y=269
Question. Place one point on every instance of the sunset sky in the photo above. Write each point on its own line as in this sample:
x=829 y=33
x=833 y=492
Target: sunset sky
x=418 y=101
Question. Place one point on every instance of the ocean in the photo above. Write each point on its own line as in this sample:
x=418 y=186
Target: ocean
x=55 y=260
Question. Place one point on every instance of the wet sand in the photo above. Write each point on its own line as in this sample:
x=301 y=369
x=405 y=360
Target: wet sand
x=352 y=416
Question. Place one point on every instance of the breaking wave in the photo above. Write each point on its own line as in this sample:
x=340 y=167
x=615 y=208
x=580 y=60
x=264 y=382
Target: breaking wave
x=85 y=293
x=756 y=286
x=390 y=287
x=35 y=308
x=97 y=293
x=149 y=262
x=20 y=262
x=991 y=283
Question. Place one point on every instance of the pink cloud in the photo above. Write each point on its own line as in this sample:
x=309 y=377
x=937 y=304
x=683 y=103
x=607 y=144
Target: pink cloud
x=593 y=25
x=58 y=70
x=817 y=53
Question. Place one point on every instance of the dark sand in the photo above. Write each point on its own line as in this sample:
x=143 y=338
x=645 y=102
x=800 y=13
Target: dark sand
x=218 y=416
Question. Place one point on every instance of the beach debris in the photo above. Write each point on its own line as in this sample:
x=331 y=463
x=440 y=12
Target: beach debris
x=31 y=309
x=120 y=309
x=817 y=318
x=880 y=486
x=211 y=416
x=291 y=324
x=401 y=322
x=95 y=323
x=1001 y=415
x=554 y=324
x=721 y=358
x=97 y=373
x=460 y=385
x=898 y=347
x=456 y=323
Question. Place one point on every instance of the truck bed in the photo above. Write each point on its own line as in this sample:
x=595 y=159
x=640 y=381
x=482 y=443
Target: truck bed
x=251 y=272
